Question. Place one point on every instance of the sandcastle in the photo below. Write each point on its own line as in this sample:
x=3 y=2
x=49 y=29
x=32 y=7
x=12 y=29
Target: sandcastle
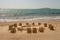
x=34 y=30
x=51 y=27
x=45 y=24
x=39 y=24
x=29 y=28
x=12 y=28
x=41 y=29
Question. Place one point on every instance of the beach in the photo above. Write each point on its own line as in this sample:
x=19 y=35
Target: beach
x=47 y=35
x=29 y=20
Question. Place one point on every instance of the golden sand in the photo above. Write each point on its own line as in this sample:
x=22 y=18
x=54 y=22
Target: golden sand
x=47 y=35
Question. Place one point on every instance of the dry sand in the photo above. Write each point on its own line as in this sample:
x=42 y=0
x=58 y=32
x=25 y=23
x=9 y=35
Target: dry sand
x=47 y=35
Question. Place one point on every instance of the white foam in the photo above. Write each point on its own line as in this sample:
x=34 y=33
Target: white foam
x=38 y=18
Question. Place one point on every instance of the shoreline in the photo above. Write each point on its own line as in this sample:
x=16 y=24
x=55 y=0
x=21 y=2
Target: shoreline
x=30 y=21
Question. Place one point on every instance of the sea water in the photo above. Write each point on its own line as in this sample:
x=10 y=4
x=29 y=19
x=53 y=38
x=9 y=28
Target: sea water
x=8 y=15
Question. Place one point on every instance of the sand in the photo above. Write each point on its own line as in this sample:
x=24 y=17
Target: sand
x=47 y=35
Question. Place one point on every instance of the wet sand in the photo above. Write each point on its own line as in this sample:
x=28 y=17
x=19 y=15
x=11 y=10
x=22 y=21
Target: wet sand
x=47 y=35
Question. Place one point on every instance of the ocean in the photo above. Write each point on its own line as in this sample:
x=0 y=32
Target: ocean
x=8 y=15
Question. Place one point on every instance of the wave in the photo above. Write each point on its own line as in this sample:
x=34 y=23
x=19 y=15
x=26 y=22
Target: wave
x=29 y=12
x=29 y=19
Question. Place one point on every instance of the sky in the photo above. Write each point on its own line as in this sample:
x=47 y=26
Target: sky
x=29 y=4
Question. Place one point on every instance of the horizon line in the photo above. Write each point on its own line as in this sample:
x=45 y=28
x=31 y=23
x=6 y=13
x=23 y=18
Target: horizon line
x=30 y=8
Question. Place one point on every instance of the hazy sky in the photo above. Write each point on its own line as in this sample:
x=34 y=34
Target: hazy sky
x=23 y=4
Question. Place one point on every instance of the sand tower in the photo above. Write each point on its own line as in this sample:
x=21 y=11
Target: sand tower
x=45 y=24
x=29 y=30
x=13 y=30
x=10 y=27
x=33 y=24
x=34 y=30
x=39 y=24
x=51 y=27
x=20 y=24
x=15 y=25
x=41 y=29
